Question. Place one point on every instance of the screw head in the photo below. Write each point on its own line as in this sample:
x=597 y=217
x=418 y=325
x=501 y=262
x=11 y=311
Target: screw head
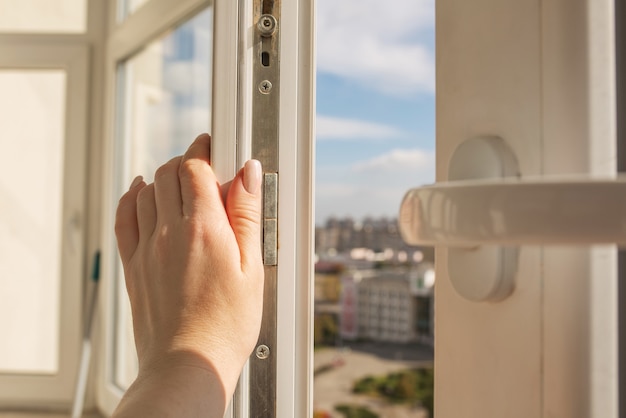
x=265 y=86
x=267 y=25
x=262 y=352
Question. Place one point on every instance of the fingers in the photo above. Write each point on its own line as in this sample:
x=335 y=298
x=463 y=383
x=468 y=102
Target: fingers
x=126 y=228
x=146 y=212
x=224 y=188
x=243 y=207
x=199 y=187
x=187 y=185
x=167 y=191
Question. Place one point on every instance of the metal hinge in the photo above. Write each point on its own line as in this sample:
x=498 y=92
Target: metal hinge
x=270 y=219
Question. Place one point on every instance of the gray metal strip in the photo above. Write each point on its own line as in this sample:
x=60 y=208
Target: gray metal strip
x=270 y=196
x=265 y=125
x=620 y=58
x=270 y=219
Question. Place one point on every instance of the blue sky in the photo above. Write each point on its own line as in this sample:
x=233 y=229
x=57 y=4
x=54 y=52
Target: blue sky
x=375 y=105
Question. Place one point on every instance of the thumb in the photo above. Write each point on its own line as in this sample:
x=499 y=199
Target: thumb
x=243 y=206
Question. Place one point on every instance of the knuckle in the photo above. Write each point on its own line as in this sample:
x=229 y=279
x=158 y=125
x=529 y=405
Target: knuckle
x=161 y=172
x=121 y=223
x=193 y=171
x=162 y=241
x=196 y=229
x=189 y=167
x=168 y=169
x=204 y=138
x=124 y=201
x=124 y=211
x=250 y=212
x=146 y=193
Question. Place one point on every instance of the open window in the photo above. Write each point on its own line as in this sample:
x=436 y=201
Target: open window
x=128 y=94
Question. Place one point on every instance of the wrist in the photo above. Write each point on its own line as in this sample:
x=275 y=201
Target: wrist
x=218 y=368
x=177 y=384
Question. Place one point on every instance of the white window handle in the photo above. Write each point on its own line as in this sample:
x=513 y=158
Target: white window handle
x=515 y=212
x=488 y=208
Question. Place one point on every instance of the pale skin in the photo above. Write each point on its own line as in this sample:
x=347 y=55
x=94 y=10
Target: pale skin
x=191 y=253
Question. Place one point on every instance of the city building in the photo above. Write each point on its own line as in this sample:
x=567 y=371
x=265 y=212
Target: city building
x=388 y=305
x=373 y=239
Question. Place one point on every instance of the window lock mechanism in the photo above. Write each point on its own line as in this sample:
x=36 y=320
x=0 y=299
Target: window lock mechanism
x=264 y=142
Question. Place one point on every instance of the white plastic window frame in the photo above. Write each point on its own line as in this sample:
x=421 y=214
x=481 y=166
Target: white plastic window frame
x=295 y=208
x=24 y=52
x=542 y=76
x=230 y=148
x=294 y=388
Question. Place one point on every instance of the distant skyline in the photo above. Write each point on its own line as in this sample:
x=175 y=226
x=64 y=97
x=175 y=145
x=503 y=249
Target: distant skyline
x=375 y=105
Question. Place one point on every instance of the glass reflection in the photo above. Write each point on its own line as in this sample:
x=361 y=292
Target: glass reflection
x=166 y=102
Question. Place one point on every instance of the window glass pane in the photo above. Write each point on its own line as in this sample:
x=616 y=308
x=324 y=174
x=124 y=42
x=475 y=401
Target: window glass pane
x=31 y=189
x=166 y=99
x=375 y=139
x=134 y=5
x=128 y=7
x=57 y=16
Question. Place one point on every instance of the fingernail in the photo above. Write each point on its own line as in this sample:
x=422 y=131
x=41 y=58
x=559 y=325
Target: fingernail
x=252 y=176
x=135 y=182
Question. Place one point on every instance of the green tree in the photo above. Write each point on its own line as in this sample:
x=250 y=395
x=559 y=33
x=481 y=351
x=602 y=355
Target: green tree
x=407 y=386
x=355 y=411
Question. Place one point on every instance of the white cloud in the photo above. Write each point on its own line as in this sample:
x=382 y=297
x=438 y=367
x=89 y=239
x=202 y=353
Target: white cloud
x=377 y=44
x=373 y=187
x=358 y=201
x=329 y=127
x=399 y=160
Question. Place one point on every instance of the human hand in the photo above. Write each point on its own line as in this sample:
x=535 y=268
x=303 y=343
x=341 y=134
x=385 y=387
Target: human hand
x=193 y=266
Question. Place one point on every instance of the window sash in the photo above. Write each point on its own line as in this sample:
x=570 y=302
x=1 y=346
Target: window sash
x=231 y=110
x=541 y=76
x=137 y=31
